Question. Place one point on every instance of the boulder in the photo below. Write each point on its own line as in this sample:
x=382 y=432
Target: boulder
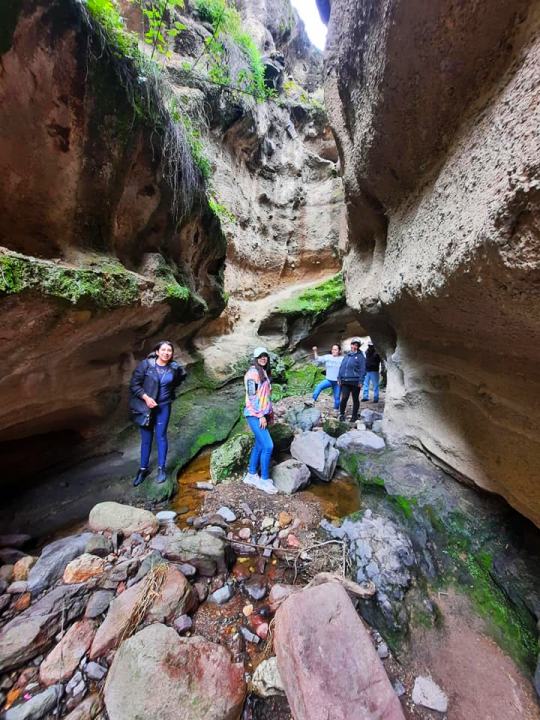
x=267 y=680
x=116 y=622
x=53 y=560
x=282 y=436
x=326 y=659
x=230 y=458
x=63 y=660
x=190 y=678
x=31 y=632
x=335 y=427
x=83 y=568
x=361 y=441
x=99 y=545
x=427 y=693
x=290 y=476
x=194 y=547
x=98 y=603
x=302 y=418
x=175 y=597
x=23 y=566
x=88 y=709
x=279 y=593
x=37 y=707
x=116 y=517
x=317 y=451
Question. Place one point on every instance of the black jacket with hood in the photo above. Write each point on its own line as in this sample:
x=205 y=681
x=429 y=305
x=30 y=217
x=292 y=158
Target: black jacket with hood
x=145 y=381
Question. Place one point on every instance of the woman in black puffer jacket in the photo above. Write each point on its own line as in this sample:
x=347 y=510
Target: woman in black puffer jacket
x=152 y=387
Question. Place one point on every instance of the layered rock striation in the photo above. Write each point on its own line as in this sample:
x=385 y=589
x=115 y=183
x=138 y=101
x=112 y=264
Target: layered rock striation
x=436 y=113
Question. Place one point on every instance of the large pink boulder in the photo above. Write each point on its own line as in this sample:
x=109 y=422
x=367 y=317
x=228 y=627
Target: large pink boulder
x=327 y=662
x=157 y=675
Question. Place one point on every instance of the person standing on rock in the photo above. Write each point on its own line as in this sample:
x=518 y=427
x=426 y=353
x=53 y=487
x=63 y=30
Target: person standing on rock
x=331 y=363
x=373 y=364
x=258 y=414
x=351 y=378
x=152 y=387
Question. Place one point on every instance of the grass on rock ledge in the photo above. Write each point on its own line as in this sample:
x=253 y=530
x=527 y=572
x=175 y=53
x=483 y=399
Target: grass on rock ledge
x=108 y=286
x=316 y=300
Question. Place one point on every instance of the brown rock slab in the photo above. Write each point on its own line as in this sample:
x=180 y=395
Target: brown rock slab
x=32 y=631
x=63 y=660
x=190 y=679
x=115 y=517
x=327 y=662
x=83 y=568
x=116 y=621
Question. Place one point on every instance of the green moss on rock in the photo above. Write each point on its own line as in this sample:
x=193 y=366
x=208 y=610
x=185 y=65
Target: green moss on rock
x=104 y=288
x=230 y=458
x=316 y=300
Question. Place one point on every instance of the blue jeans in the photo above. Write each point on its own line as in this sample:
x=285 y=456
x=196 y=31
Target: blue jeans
x=372 y=376
x=159 y=426
x=262 y=450
x=323 y=385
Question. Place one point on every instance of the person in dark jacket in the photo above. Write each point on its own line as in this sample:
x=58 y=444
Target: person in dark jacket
x=350 y=379
x=373 y=364
x=152 y=387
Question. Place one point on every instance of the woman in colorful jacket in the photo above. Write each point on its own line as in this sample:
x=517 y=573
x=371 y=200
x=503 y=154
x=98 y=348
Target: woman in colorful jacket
x=152 y=387
x=257 y=412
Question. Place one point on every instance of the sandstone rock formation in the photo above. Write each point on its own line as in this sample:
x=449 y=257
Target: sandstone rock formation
x=435 y=108
x=133 y=207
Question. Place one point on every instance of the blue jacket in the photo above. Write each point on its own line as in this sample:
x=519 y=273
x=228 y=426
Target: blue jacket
x=353 y=368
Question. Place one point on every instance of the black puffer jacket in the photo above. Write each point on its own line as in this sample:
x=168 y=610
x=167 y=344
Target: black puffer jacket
x=145 y=380
x=373 y=360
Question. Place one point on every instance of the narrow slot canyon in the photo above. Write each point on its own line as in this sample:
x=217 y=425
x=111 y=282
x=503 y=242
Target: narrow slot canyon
x=270 y=419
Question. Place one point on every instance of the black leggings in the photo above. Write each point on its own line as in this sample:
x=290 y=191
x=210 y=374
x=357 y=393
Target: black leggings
x=346 y=390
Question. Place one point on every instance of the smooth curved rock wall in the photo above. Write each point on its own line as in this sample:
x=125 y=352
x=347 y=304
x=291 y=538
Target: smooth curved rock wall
x=436 y=112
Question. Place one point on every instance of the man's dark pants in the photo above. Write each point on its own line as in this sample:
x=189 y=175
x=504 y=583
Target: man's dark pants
x=346 y=390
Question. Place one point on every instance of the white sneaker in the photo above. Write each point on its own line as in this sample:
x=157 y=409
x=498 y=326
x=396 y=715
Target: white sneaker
x=251 y=479
x=256 y=481
x=267 y=486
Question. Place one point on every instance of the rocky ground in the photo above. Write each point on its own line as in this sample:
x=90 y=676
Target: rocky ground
x=243 y=604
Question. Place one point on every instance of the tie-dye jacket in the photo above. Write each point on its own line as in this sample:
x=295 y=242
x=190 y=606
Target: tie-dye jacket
x=258 y=402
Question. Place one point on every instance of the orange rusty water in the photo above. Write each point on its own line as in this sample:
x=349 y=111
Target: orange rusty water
x=188 y=500
x=337 y=498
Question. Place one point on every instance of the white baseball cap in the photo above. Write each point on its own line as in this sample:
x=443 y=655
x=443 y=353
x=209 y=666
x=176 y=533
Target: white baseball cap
x=260 y=351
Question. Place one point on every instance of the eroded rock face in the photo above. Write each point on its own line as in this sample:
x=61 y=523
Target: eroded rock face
x=435 y=109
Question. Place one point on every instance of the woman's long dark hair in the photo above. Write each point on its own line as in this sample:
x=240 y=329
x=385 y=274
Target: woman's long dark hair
x=154 y=352
x=260 y=370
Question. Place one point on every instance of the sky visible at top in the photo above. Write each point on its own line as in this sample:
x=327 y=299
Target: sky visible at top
x=315 y=28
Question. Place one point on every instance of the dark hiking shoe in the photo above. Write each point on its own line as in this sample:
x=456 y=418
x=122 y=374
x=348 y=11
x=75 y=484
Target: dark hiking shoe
x=353 y=419
x=161 y=475
x=140 y=477
x=342 y=418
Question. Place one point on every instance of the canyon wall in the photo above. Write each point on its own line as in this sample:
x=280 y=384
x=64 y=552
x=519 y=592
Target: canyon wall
x=141 y=200
x=436 y=111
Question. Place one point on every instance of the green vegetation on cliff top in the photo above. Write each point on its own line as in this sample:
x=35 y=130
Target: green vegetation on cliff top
x=316 y=300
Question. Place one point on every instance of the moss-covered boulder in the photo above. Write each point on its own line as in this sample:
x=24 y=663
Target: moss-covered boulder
x=334 y=427
x=230 y=458
x=282 y=436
